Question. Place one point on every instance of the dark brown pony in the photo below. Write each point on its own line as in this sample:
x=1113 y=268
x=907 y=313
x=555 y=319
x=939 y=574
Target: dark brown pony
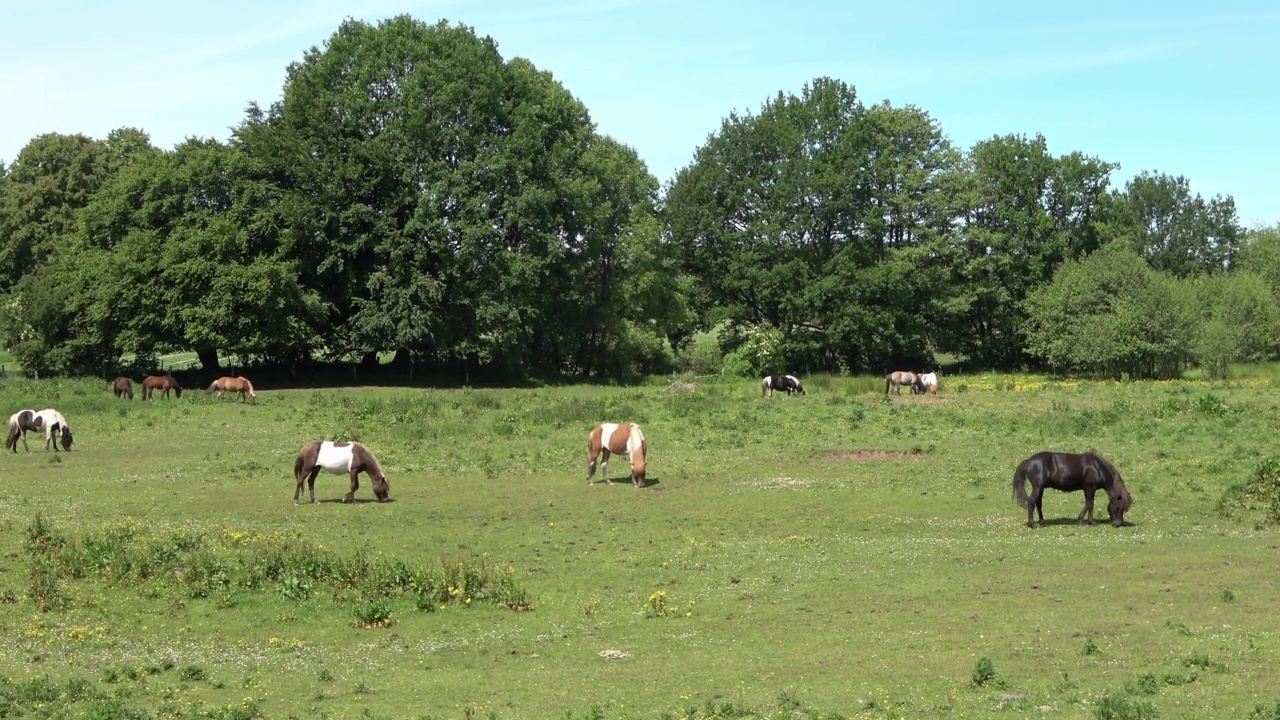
x=228 y=384
x=19 y=423
x=164 y=383
x=338 y=458
x=621 y=439
x=1069 y=472
x=123 y=387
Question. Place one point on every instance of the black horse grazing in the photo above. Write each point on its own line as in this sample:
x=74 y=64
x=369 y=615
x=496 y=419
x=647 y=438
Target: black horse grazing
x=1069 y=472
x=789 y=383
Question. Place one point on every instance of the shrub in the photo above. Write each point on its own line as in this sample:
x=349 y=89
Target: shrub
x=1114 y=707
x=984 y=671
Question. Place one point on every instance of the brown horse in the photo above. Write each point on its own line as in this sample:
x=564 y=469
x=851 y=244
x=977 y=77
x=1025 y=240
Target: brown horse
x=19 y=423
x=164 y=383
x=609 y=438
x=123 y=387
x=337 y=458
x=224 y=385
x=1069 y=472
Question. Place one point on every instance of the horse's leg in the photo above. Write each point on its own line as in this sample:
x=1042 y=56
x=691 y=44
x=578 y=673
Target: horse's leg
x=311 y=483
x=297 y=489
x=355 y=483
x=1088 y=505
x=1033 y=504
x=25 y=446
x=604 y=465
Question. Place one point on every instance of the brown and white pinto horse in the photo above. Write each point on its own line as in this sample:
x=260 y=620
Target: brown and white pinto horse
x=164 y=383
x=609 y=438
x=19 y=423
x=123 y=387
x=338 y=458
x=228 y=384
x=55 y=429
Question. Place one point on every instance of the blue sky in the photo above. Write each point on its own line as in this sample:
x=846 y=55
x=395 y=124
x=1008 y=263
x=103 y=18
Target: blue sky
x=1186 y=88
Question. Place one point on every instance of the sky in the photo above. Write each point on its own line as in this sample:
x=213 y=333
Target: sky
x=1179 y=87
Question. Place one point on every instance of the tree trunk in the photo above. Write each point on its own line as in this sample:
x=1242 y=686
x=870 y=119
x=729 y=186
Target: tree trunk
x=208 y=358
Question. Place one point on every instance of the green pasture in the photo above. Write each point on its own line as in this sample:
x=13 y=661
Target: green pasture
x=841 y=554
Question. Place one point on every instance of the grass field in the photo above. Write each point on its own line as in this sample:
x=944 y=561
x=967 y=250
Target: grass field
x=834 y=555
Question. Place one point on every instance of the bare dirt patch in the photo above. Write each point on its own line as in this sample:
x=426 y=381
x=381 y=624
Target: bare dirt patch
x=871 y=454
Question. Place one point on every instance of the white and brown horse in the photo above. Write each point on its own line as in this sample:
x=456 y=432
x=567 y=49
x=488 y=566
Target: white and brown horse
x=610 y=438
x=789 y=383
x=19 y=423
x=338 y=458
x=928 y=383
x=241 y=385
x=49 y=421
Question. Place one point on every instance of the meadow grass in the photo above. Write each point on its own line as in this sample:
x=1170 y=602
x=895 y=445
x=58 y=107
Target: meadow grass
x=841 y=554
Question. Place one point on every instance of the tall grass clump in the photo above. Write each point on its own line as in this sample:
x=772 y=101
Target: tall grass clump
x=1261 y=491
x=288 y=567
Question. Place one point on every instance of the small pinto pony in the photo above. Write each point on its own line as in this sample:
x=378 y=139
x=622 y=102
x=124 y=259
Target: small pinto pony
x=897 y=379
x=1069 y=472
x=19 y=423
x=164 y=383
x=928 y=383
x=55 y=429
x=608 y=438
x=789 y=383
x=224 y=385
x=123 y=387
x=338 y=458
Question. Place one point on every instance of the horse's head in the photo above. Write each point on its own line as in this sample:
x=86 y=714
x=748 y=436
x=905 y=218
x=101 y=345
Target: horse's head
x=1119 y=503
x=381 y=488
x=66 y=438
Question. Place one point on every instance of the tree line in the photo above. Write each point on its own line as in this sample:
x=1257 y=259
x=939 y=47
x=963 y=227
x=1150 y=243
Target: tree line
x=414 y=192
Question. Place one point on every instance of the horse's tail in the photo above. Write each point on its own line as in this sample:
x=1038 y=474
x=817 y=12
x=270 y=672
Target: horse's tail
x=212 y=386
x=297 y=468
x=888 y=378
x=1019 y=485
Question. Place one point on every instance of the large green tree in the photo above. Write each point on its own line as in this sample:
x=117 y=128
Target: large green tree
x=809 y=218
x=1024 y=211
x=450 y=205
x=1176 y=230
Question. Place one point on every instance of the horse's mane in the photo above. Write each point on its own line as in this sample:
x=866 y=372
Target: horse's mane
x=1115 y=475
x=375 y=467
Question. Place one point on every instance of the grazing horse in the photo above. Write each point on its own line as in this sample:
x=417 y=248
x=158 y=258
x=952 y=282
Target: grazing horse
x=19 y=423
x=52 y=422
x=617 y=438
x=338 y=458
x=929 y=383
x=123 y=387
x=164 y=383
x=1069 y=472
x=228 y=384
x=897 y=379
x=789 y=383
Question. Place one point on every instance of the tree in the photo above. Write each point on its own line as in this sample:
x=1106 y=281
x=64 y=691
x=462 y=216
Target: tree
x=447 y=203
x=808 y=218
x=1024 y=213
x=1111 y=315
x=1175 y=230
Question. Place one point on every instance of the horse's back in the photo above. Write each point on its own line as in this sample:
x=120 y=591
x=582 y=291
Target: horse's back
x=335 y=457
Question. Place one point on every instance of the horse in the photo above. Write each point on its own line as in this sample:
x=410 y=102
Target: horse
x=1069 y=472
x=123 y=387
x=337 y=458
x=19 y=423
x=617 y=438
x=52 y=422
x=228 y=384
x=928 y=383
x=789 y=383
x=165 y=383
x=898 y=379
